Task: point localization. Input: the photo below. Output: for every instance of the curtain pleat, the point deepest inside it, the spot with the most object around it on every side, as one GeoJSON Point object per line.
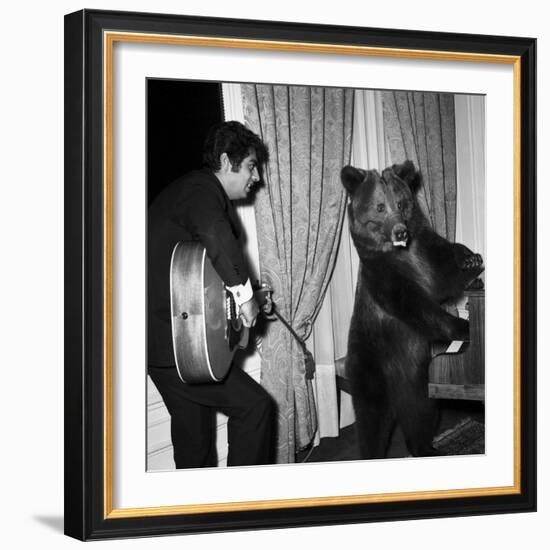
{"type": "Point", "coordinates": [420, 126]}
{"type": "Point", "coordinates": [299, 215]}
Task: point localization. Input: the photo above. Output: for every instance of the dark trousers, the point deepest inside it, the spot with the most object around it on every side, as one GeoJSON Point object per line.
{"type": "Point", "coordinates": [192, 406]}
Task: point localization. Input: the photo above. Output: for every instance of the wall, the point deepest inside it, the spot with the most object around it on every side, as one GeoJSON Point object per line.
{"type": "Point", "coordinates": [31, 113]}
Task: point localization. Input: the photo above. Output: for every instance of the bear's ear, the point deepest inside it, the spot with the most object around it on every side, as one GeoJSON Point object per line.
{"type": "Point", "coordinates": [408, 173]}
{"type": "Point", "coordinates": [351, 177]}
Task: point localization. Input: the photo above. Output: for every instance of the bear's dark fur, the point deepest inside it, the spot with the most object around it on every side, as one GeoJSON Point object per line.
{"type": "Point", "coordinates": [407, 271]}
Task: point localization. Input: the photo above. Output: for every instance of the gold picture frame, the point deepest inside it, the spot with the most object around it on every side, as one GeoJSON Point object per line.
{"type": "Point", "coordinates": [90, 40]}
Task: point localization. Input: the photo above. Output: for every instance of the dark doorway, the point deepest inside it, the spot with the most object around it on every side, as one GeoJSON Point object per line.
{"type": "Point", "coordinates": [179, 115]}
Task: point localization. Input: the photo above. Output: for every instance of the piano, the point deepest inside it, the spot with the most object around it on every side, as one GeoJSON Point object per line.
{"type": "Point", "coordinates": [457, 370]}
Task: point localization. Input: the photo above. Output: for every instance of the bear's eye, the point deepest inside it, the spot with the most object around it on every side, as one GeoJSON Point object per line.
{"type": "Point", "coordinates": [399, 205]}
{"type": "Point", "coordinates": [381, 207]}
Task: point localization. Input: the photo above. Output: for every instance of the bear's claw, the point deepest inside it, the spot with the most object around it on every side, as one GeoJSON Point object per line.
{"type": "Point", "coordinates": [471, 262]}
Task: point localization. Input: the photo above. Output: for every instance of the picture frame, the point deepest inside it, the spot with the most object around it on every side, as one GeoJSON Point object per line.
{"type": "Point", "coordinates": [90, 37]}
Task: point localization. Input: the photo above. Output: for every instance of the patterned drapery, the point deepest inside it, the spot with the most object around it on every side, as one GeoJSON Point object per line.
{"type": "Point", "coordinates": [299, 215]}
{"type": "Point", "coordinates": [420, 126]}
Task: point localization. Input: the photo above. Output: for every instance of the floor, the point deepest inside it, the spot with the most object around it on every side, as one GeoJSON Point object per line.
{"type": "Point", "coordinates": [344, 447]}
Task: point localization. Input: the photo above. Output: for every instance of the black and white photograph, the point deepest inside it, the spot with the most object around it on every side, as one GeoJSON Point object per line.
{"type": "Point", "coordinates": [315, 274]}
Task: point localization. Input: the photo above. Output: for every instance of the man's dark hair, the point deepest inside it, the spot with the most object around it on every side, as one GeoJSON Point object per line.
{"type": "Point", "coordinates": [237, 141]}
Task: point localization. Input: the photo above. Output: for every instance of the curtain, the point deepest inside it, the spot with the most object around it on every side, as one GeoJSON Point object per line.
{"type": "Point", "coordinates": [367, 152]}
{"type": "Point", "coordinates": [420, 126]}
{"type": "Point", "coordinates": [330, 332]}
{"type": "Point", "coordinates": [299, 215]}
{"type": "Point", "coordinates": [470, 171]}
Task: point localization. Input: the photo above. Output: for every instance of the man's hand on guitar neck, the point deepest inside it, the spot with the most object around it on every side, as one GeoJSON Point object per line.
{"type": "Point", "coordinates": [248, 312]}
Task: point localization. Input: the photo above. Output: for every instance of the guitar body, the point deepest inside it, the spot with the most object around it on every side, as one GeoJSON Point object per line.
{"type": "Point", "coordinates": [199, 316]}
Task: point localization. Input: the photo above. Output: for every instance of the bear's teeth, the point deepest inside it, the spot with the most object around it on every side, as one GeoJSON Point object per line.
{"type": "Point", "coordinates": [400, 243]}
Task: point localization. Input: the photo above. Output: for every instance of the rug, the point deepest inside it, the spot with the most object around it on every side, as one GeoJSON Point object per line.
{"type": "Point", "coordinates": [466, 438]}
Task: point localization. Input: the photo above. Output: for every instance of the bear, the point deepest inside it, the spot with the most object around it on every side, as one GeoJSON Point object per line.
{"type": "Point", "coordinates": [407, 271]}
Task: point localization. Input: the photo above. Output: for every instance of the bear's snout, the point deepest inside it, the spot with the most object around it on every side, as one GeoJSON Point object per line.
{"type": "Point", "coordinates": [399, 235]}
{"type": "Point", "coordinates": [395, 230]}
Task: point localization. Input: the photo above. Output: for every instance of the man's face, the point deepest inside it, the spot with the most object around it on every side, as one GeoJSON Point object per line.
{"type": "Point", "coordinates": [240, 183]}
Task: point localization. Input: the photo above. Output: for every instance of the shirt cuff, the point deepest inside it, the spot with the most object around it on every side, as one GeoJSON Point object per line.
{"type": "Point", "coordinates": [241, 293]}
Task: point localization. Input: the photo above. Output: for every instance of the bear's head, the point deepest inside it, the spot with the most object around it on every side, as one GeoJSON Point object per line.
{"type": "Point", "coordinates": [382, 210]}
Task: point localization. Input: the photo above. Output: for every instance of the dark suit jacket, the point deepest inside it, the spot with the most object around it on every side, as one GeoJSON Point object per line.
{"type": "Point", "coordinates": [194, 207]}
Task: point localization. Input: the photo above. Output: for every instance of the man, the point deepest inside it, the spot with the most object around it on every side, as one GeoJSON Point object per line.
{"type": "Point", "coordinates": [198, 206]}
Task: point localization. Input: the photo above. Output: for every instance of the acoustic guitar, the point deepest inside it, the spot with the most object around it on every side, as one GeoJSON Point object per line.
{"type": "Point", "coordinates": [206, 328]}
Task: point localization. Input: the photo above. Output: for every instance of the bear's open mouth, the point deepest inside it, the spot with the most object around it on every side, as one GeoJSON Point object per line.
{"type": "Point", "coordinates": [400, 243]}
